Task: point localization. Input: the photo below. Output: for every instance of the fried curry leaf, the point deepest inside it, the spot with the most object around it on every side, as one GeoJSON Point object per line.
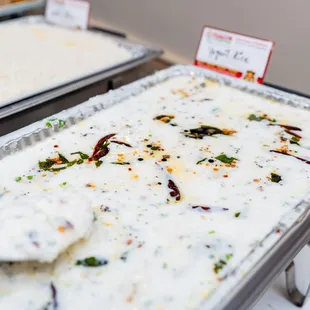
{"type": "Point", "coordinates": [219, 266]}
{"type": "Point", "coordinates": [294, 140]}
{"type": "Point", "coordinates": [92, 262]}
{"type": "Point", "coordinates": [275, 178]}
{"type": "Point", "coordinates": [203, 131]}
{"type": "Point", "coordinates": [225, 159]}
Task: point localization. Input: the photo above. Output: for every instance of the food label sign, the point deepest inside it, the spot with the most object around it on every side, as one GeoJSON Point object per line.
{"type": "Point", "coordinates": [234, 54]}
{"type": "Point", "coordinates": [68, 13]}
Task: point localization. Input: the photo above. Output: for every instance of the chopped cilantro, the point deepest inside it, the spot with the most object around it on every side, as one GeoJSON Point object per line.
{"type": "Point", "coordinates": [294, 140]}
{"type": "Point", "coordinates": [237, 214]}
{"type": "Point", "coordinates": [201, 161]}
{"type": "Point", "coordinates": [29, 177]}
{"type": "Point", "coordinates": [82, 155]}
{"type": "Point", "coordinates": [92, 262]}
{"type": "Point", "coordinates": [18, 179]}
{"type": "Point", "coordinates": [225, 159]}
{"type": "Point", "coordinates": [48, 125]}
{"type": "Point", "coordinates": [275, 178]}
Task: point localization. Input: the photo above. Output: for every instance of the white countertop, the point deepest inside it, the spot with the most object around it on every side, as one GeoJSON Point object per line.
{"type": "Point", "coordinates": [276, 297]}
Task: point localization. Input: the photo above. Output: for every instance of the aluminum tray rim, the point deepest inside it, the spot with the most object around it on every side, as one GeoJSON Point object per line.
{"type": "Point", "coordinates": [296, 233]}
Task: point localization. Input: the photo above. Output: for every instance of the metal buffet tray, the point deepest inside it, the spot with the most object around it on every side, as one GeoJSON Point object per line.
{"type": "Point", "coordinates": [273, 254]}
{"type": "Point", "coordinates": [20, 7]}
{"type": "Point", "coordinates": [140, 54]}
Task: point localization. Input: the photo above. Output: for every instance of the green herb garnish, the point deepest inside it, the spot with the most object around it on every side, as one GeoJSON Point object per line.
{"type": "Point", "coordinates": [63, 184]}
{"type": "Point", "coordinates": [204, 130]}
{"type": "Point", "coordinates": [57, 169]}
{"type": "Point", "coordinates": [275, 178]}
{"type": "Point", "coordinates": [18, 179]}
{"type": "Point", "coordinates": [82, 155]}
{"type": "Point", "coordinates": [237, 214]}
{"type": "Point", "coordinates": [155, 148]}
{"type": "Point", "coordinates": [253, 117]}
{"type": "Point", "coordinates": [71, 163]}
{"type": "Point", "coordinates": [92, 262]}
{"type": "Point", "coordinates": [80, 161]}
{"type": "Point", "coordinates": [61, 123]}
{"type": "Point", "coordinates": [46, 165]}
{"type": "Point", "coordinates": [294, 140]}
{"type": "Point", "coordinates": [211, 232]}
{"type": "Point", "coordinates": [225, 159]}
{"type": "Point", "coordinates": [29, 177]}
{"type": "Point", "coordinates": [228, 256]}
{"type": "Point", "coordinates": [63, 159]}
{"type": "Point", "coordinates": [98, 163]}
{"type": "Point", "coordinates": [201, 161]}
{"type": "Point", "coordinates": [219, 266]}
{"type": "Point", "coordinates": [48, 125]}
{"type": "Point", "coordinates": [120, 163]}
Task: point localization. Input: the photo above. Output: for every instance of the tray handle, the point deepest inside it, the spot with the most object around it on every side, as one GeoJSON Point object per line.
{"type": "Point", "coordinates": [294, 294]}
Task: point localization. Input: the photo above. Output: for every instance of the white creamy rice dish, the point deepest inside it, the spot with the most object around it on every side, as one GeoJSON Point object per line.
{"type": "Point", "coordinates": [38, 57]}
{"type": "Point", "coordinates": [184, 180]}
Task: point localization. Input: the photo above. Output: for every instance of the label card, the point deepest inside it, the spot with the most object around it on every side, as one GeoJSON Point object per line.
{"type": "Point", "coordinates": [234, 54]}
{"type": "Point", "coordinates": [68, 13]}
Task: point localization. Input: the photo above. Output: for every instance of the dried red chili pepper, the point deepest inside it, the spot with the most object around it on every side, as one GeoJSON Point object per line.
{"type": "Point", "coordinates": [100, 144]}
{"type": "Point", "coordinates": [121, 143]}
{"type": "Point", "coordinates": [299, 158]}
{"type": "Point", "coordinates": [100, 154]}
{"type": "Point", "coordinates": [287, 127]}
{"type": "Point", "coordinates": [293, 134]}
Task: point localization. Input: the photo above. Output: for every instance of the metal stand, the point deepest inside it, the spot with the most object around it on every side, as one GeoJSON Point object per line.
{"type": "Point", "coordinates": [295, 296]}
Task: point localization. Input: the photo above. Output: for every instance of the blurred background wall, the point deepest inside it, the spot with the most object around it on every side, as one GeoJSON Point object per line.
{"type": "Point", "coordinates": [176, 25]}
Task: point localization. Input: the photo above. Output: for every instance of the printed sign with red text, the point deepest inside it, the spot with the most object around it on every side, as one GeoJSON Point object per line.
{"type": "Point", "coordinates": [68, 13]}
{"type": "Point", "coordinates": [234, 54]}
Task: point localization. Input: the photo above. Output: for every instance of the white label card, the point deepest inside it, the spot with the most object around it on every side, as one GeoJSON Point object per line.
{"type": "Point", "coordinates": [234, 54]}
{"type": "Point", "coordinates": [68, 13]}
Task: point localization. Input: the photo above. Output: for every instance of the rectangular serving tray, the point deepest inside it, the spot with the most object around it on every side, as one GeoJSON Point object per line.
{"type": "Point", "coordinates": [275, 251]}
{"type": "Point", "coordinates": [140, 54]}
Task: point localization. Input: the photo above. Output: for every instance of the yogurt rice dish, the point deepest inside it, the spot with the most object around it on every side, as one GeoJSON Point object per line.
{"type": "Point", "coordinates": [183, 180]}
{"type": "Point", "coordinates": [36, 57]}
